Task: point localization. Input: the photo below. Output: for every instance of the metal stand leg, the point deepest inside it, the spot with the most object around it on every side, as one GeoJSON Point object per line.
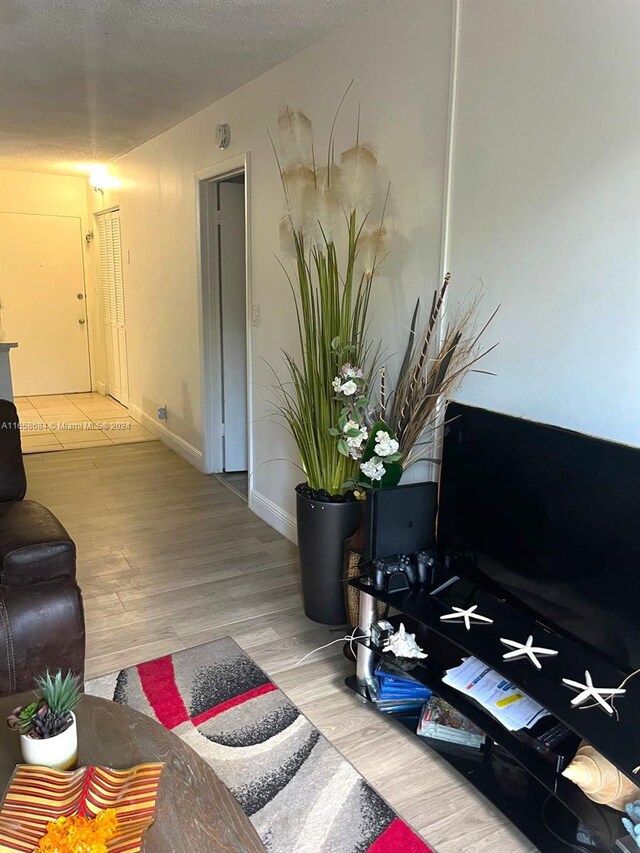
{"type": "Point", "coordinates": [366, 658]}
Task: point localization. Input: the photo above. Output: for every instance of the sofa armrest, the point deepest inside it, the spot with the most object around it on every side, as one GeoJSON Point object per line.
{"type": "Point", "coordinates": [41, 627]}
{"type": "Point", "coordinates": [34, 546]}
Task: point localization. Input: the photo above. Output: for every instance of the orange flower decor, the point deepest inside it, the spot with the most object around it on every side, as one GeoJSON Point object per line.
{"type": "Point", "coordinates": [89, 810]}
{"type": "Point", "coordinates": [78, 834]}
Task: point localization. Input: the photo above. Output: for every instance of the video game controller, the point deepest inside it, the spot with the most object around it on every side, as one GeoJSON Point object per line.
{"type": "Point", "coordinates": [426, 563]}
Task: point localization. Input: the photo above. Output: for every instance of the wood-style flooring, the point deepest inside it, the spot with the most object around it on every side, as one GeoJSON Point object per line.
{"type": "Point", "coordinates": [169, 558]}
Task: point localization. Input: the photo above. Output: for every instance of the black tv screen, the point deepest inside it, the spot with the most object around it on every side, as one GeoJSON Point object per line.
{"type": "Point", "coordinates": [550, 518]}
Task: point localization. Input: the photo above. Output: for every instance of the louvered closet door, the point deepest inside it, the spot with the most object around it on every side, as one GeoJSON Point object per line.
{"type": "Point", "coordinates": [113, 305]}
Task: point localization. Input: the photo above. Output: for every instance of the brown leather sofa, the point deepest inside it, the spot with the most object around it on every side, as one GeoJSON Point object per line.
{"type": "Point", "coordinates": [41, 613]}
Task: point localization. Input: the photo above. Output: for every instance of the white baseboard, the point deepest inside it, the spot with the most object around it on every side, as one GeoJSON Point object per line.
{"type": "Point", "coordinates": [177, 444]}
{"type": "Point", "coordinates": [274, 515]}
{"type": "Point", "coordinates": [101, 388]}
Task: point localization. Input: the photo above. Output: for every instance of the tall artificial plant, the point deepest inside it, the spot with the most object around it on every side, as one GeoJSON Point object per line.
{"type": "Point", "coordinates": [335, 252]}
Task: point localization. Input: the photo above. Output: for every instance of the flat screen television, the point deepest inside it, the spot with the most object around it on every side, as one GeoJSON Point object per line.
{"type": "Point", "coordinates": [550, 519]}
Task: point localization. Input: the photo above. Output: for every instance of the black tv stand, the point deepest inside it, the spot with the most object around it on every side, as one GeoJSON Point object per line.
{"type": "Point", "coordinates": [525, 783]}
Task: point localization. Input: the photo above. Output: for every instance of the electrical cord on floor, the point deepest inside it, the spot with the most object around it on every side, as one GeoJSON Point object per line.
{"type": "Point", "coordinates": [349, 639]}
{"type": "Point", "coordinates": [570, 844]}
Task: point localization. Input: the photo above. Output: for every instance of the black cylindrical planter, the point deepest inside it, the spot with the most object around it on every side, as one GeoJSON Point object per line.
{"type": "Point", "coordinates": [322, 529]}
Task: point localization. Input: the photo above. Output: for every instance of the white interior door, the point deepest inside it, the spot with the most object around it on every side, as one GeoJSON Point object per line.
{"type": "Point", "coordinates": [113, 305]}
{"type": "Point", "coordinates": [43, 298]}
{"type": "Point", "coordinates": [233, 315]}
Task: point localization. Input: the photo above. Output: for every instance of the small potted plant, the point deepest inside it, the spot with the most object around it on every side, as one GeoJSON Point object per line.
{"type": "Point", "coordinates": [47, 726]}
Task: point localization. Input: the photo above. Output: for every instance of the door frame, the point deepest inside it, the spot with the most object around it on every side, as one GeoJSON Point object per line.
{"type": "Point", "coordinates": [209, 318]}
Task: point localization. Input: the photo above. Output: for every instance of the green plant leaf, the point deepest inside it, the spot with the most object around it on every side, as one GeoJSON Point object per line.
{"type": "Point", "coordinates": [343, 447]}
{"type": "Point", "coordinates": [333, 431]}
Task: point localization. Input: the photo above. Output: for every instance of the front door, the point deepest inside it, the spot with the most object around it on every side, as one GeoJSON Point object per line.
{"type": "Point", "coordinates": [43, 303]}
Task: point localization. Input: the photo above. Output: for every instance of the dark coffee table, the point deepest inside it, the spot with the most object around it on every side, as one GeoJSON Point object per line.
{"type": "Point", "coordinates": [195, 811]}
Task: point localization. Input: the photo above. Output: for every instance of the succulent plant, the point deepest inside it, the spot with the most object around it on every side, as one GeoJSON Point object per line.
{"type": "Point", "coordinates": [51, 715]}
{"type": "Point", "coordinates": [21, 718]}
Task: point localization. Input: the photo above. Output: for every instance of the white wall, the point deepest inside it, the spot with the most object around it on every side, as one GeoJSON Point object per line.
{"type": "Point", "coordinates": [545, 206]}
{"type": "Point", "coordinates": [399, 57]}
{"type": "Point", "coordinates": [54, 195]}
{"type": "Point", "coordinates": [544, 209]}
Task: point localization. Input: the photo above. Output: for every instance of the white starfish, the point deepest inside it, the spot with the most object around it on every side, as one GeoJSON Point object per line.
{"type": "Point", "coordinates": [588, 691]}
{"type": "Point", "coordinates": [466, 615]}
{"type": "Point", "coordinates": [527, 649]}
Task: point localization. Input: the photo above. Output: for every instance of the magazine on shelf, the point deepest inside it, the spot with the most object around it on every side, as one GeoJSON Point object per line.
{"type": "Point", "coordinates": [496, 694]}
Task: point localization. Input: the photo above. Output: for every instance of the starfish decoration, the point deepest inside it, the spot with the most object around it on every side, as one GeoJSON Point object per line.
{"type": "Point", "coordinates": [467, 616]}
{"type": "Point", "coordinates": [588, 691]}
{"type": "Point", "coordinates": [521, 650]}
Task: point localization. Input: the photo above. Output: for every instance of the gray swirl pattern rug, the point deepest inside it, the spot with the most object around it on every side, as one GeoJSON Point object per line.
{"type": "Point", "coordinates": [300, 793]}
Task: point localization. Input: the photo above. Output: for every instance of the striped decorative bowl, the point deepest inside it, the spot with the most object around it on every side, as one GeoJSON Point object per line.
{"type": "Point", "coordinates": [37, 795]}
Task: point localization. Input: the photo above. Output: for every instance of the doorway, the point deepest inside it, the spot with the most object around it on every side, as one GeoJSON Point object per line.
{"type": "Point", "coordinates": [223, 243]}
{"type": "Point", "coordinates": [43, 300]}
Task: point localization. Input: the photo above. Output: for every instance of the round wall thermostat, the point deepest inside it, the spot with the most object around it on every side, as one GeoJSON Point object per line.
{"type": "Point", "coordinates": [223, 135]}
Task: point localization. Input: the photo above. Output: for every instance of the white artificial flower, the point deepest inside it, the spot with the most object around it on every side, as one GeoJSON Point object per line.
{"type": "Point", "coordinates": [373, 469]}
{"type": "Point", "coordinates": [337, 382]}
{"type": "Point", "coordinates": [349, 388]}
{"type": "Point", "coordinates": [355, 441]}
{"type": "Point", "coordinates": [385, 445]}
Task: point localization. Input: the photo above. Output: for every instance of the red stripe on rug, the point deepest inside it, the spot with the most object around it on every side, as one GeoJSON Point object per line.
{"type": "Point", "coordinates": [159, 684]}
{"type": "Point", "coordinates": [233, 703]}
{"type": "Point", "coordinates": [399, 838]}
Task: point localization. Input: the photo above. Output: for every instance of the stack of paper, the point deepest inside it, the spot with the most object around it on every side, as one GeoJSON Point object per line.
{"type": "Point", "coordinates": [506, 702]}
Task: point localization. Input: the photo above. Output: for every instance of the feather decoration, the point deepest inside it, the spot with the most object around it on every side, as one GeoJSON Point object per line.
{"type": "Point", "coordinates": [296, 138]}
{"type": "Point", "coordinates": [287, 241]}
{"type": "Point", "coordinates": [328, 198]}
{"type": "Point", "coordinates": [359, 169]}
{"type": "Point", "coordinates": [299, 184]}
{"type": "Point", "coordinates": [371, 249]}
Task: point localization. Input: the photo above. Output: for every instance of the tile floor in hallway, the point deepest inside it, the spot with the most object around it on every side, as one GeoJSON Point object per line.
{"type": "Point", "coordinates": [73, 421]}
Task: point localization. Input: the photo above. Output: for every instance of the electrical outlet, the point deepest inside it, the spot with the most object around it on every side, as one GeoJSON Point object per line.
{"type": "Point", "coordinates": [255, 315]}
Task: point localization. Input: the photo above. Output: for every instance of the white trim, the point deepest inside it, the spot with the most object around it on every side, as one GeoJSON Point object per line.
{"type": "Point", "coordinates": [274, 515]}
{"type": "Point", "coordinates": [177, 444]}
{"type": "Point", "coordinates": [445, 245]}
{"type": "Point", "coordinates": [211, 419]}
{"type": "Point", "coordinates": [101, 388]}
{"type": "Point", "coordinates": [445, 237]}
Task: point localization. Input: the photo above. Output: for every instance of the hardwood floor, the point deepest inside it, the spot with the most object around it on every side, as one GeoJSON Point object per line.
{"type": "Point", "coordinates": [169, 558]}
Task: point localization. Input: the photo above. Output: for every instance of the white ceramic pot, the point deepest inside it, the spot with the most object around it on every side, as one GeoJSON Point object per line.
{"type": "Point", "coordinates": [59, 752]}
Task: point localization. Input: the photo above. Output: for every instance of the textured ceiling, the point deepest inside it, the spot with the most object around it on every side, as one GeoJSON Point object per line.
{"type": "Point", "coordinates": [87, 80]}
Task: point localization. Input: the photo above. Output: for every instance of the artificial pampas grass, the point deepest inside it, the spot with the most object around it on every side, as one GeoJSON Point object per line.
{"type": "Point", "coordinates": [328, 202]}
{"type": "Point", "coordinates": [296, 138]}
{"type": "Point", "coordinates": [287, 240]}
{"type": "Point", "coordinates": [371, 249]}
{"type": "Point", "coordinates": [299, 183]}
{"type": "Point", "coordinates": [359, 168]}
{"type": "Point", "coordinates": [324, 225]}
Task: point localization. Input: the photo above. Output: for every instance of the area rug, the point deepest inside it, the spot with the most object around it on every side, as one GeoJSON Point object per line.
{"type": "Point", "coordinates": [300, 793]}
